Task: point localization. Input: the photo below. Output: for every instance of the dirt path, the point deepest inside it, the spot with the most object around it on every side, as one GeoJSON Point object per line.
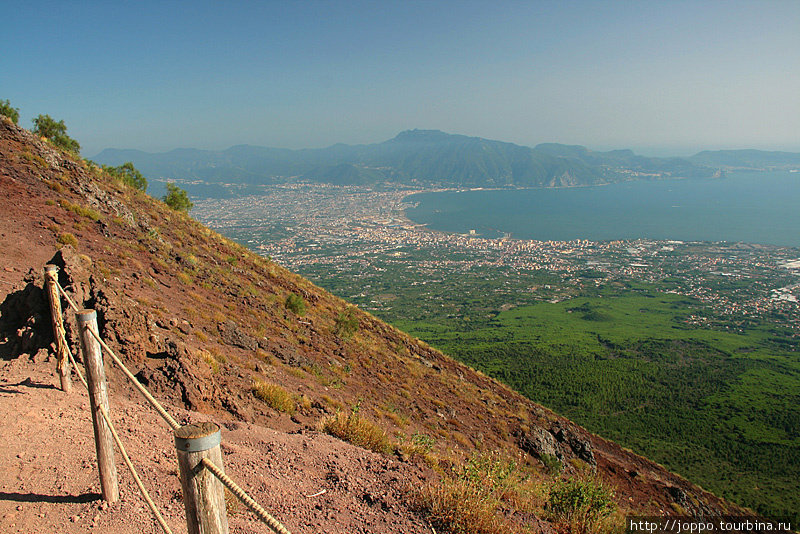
{"type": "Point", "coordinates": [309, 481]}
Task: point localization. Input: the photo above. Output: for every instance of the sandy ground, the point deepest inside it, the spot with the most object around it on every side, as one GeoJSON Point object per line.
{"type": "Point", "coordinates": [309, 481]}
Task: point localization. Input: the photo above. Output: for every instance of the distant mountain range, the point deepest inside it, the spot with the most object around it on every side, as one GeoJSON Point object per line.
{"type": "Point", "coordinates": [431, 157]}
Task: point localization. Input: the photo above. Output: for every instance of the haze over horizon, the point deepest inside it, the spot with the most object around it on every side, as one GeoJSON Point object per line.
{"type": "Point", "coordinates": [660, 78]}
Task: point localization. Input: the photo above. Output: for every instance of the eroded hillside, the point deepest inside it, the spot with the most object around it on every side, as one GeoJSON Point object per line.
{"type": "Point", "coordinates": [201, 319]}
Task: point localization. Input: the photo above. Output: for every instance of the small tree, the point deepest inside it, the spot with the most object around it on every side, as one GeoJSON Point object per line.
{"type": "Point", "coordinates": [176, 198]}
{"type": "Point", "coordinates": [129, 175]}
{"type": "Point", "coordinates": [56, 132]}
{"type": "Point", "coordinates": [346, 323]}
{"type": "Point", "coordinates": [296, 304]}
{"type": "Point", "coordinates": [8, 111]}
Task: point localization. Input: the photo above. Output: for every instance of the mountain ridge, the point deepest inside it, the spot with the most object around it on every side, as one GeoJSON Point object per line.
{"type": "Point", "coordinates": [426, 157]}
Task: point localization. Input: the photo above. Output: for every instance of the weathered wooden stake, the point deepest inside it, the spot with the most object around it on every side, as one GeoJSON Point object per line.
{"type": "Point", "coordinates": [62, 366]}
{"type": "Point", "coordinates": [98, 396]}
{"type": "Point", "coordinates": [203, 493]}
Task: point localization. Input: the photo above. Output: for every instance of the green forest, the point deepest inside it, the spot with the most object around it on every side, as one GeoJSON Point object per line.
{"type": "Point", "coordinates": [722, 409]}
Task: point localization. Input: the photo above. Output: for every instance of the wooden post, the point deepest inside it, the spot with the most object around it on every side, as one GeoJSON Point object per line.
{"type": "Point", "coordinates": [63, 367]}
{"type": "Point", "coordinates": [203, 493]}
{"type": "Point", "coordinates": [98, 396]}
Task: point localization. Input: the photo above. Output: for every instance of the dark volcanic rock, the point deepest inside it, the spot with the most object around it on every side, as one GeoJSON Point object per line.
{"type": "Point", "coordinates": [539, 442]}
{"type": "Point", "coordinates": [581, 445]}
{"type": "Point", "coordinates": [25, 320]}
{"type": "Point", "coordinates": [233, 335]}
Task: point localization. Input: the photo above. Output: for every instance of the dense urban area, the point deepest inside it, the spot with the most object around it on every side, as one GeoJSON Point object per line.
{"type": "Point", "coordinates": [347, 238]}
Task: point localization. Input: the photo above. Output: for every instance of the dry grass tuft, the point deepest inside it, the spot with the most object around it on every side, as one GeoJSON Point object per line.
{"type": "Point", "coordinates": [83, 211]}
{"type": "Point", "coordinates": [275, 396]}
{"type": "Point", "coordinates": [460, 507]}
{"type": "Point", "coordinates": [356, 430]}
{"type": "Point", "coordinates": [68, 239]}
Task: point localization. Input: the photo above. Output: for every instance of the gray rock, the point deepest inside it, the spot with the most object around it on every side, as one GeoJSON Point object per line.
{"type": "Point", "coordinates": [539, 442]}
{"type": "Point", "coordinates": [580, 444]}
{"type": "Point", "coordinates": [233, 335]}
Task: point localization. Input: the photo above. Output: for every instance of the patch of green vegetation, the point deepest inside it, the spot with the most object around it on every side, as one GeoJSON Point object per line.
{"type": "Point", "coordinates": [580, 504]}
{"type": "Point", "coordinates": [296, 304]}
{"type": "Point", "coordinates": [346, 323]}
{"type": "Point", "coordinates": [177, 199]}
{"type": "Point", "coordinates": [721, 408]}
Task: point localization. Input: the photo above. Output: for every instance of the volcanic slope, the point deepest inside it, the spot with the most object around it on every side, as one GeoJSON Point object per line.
{"type": "Point", "coordinates": [201, 320]}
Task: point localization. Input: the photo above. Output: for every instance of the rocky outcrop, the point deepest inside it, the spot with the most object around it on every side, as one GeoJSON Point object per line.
{"type": "Point", "coordinates": [233, 335]}
{"type": "Point", "coordinates": [539, 443]}
{"type": "Point", "coordinates": [25, 320]}
{"type": "Point", "coordinates": [579, 443]}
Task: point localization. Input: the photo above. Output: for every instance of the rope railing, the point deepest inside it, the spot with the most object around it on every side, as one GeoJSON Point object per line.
{"type": "Point", "coordinates": [244, 497]}
{"type": "Point", "coordinates": [153, 402]}
{"type": "Point", "coordinates": [205, 462]}
{"type": "Point", "coordinates": [64, 294]}
{"type": "Point", "coordinates": [135, 475]}
{"type": "Point", "coordinates": [124, 453]}
{"type": "Point", "coordinates": [75, 366]}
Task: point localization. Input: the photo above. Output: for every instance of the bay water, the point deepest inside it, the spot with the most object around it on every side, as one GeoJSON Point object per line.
{"type": "Point", "coordinates": [752, 207]}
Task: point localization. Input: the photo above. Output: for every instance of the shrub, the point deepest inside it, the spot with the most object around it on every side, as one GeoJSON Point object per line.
{"type": "Point", "coordinates": [275, 396]}
{"type": "Point", "coordinates": [471, 497]}
{"type": "Point", "coordinates": [296, 304]}
{"type": "Point", "coordinates": [68, 239]}
{"type": "Point", "coordinates": [346, 324]}
{"type": "Point", "coordinates": [460, 507]}
{"type": "Point", "coordinates": [356, 430]}
{"type": "Point", "coordinates": [56, 132]}
{"type": "Point", "coordinates": [129, 175]}
{"type": "Point", "coordinates": [8, 111]}
{"type": "Point", "coordinates": [551, 464]}
{"type": "Point", "coordinates": [177, 199]}
{"type": "Point", "coordinates": [580, 503]}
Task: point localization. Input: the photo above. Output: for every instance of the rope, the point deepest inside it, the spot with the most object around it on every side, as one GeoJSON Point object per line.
{"type": "Point", "coordinates": [262, 514]}
{"type": "Point", "coordinates": [122, 451]}
{"type": "Point", "coordinates": [160, 409]}
{"type": "Point", "coordinates": [156, 405]}
{"type": "Point", "coordinates": [74, 364]}
{"type": "Point", "coordinates": [69, 300]}
{"type": "Point", "coordinates": [128, 462]}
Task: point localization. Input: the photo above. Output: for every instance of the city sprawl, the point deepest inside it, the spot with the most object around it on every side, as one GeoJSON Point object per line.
{"type": "Point", "coordinates": [354, 241]}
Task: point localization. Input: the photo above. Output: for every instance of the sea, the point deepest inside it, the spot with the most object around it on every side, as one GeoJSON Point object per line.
{"type": "Point", "coordinates": [751, 207]}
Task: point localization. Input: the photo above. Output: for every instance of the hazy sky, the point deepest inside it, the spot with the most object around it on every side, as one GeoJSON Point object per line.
{"type": "Point", "coordinates": [661, 77]}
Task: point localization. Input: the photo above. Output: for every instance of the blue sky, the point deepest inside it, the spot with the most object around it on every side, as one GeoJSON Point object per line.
{"type": "Point", "coordinates": [661, 77]}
